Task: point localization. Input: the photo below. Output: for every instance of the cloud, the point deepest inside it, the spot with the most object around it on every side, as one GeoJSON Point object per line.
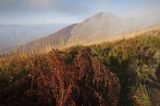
{"type": "Point", "coordinates": [42, 3]}
{"type": "Point", "coordinates": [37, 9]}
{"type": "Point", "coordinates": [22, 7]}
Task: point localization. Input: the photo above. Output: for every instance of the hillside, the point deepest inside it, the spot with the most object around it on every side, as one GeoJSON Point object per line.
{"type": "Point", "coordinates": [101, 26]}
{"type": "Point", "coordinates": [57, 40]}
{"type": "Point", "coordinates": [106, 25]}
{"type": "Point", "coordinates": [120, 73]}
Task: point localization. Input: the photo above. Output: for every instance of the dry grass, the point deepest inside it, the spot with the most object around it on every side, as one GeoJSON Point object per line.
{"type": "Point", "coordinates": [106, 74]}
{"type": "Point", "coordinates": [141, 96]}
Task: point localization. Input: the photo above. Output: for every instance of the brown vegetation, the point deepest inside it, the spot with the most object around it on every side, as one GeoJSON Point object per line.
{"type": "Point", "coordinates": [85, 75]}
{"type": "Point", "coordinates": [84, 83]}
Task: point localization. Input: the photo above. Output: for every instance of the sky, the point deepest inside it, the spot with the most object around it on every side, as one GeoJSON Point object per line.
{"type": "Point", "coordinates": [28, 12]}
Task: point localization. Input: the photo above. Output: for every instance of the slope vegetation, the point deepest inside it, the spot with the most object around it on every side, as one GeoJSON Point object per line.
{"type": "Point", "coordinates": [121, 73]}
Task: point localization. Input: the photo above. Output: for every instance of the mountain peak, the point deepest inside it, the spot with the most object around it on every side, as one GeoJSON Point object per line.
{"type": "Point", "coordinates": [103, 14]}
{"type": "Point", "coordinates": [100, 17]}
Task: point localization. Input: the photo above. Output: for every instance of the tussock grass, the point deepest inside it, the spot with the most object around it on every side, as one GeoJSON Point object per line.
{"type": "Point", "coordinates": [141, 96]}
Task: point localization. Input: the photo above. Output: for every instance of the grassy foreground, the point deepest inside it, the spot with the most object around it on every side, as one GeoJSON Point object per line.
{"type": "Point", "coordinates": [124, 73]}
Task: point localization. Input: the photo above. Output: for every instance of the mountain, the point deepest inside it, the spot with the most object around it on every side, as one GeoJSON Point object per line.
{"type": "Point", "coordinates": [97, 26]}
{"type": "Point", "coordinates": [100, 26]}
{"type": "Point", "coordinates": [106, 25]}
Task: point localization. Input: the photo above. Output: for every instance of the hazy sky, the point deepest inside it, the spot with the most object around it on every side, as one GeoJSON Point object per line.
{"type": "Point", "coordinates": [69, 11]}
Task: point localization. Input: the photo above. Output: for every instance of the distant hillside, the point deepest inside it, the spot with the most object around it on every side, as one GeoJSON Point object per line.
{"type": "Point", "coordinates": [56, 40]}
{"type": "Point", "coordinates": [106, 25]}
{"type": "Point", "coordinates": [101, 26]}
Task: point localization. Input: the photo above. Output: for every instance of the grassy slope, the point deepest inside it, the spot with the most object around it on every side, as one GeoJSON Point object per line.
{"type": "Point", "coordinates": [136, 62]}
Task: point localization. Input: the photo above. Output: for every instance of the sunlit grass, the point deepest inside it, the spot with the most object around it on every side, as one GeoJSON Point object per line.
{"type": "Point", "coordinates": [134, 60]}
